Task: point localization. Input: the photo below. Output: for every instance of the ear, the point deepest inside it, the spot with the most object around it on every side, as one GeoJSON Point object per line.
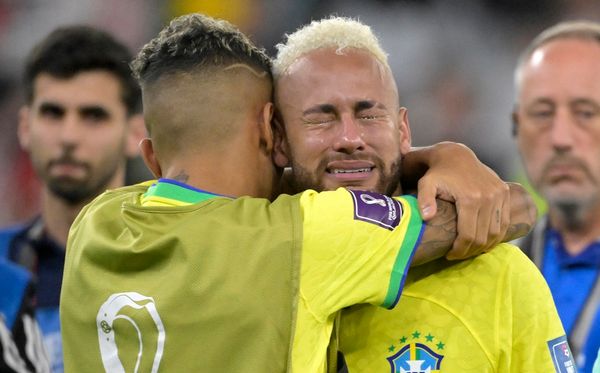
{"type": "Point", "coordinates": [264, 124]}
{"type": "Point", "coordinates": [515, 122]}
{"type": "Point", "coordinates": [281, 148]}
{"type": "Point", "coordinates": [23, 130]}
{"type": "Point", "coordinates": [149, 157]}
{"type": "Point", "coordinates": [136, 132]}
{"type": "Point", "coordinates": [404, 131]}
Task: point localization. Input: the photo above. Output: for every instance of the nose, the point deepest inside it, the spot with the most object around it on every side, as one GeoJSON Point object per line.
{"type": "Point", "coordinates": [349, 137]}
{"type": "Point", "coordinates": [562, 132]}
{"type": "Point", "coordinates": [70, 129]}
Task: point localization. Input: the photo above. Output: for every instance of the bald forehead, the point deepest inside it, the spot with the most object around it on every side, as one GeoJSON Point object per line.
{"type": "Point", "coordinates": [571, 56]}
{"type": "Point", "coordinates": [555, 50]}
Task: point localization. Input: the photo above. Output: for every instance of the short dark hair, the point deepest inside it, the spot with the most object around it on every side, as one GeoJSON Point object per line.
{"type": "Point", "coordinates": [195, 41]}
{"type": "Point", "coordinates": [70, 50]}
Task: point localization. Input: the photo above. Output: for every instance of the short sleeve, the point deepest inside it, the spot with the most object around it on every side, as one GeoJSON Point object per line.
{"type": "Point", "coordinates": [357, 247]}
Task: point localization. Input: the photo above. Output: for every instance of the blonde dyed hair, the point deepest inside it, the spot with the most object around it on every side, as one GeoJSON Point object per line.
{"type": "Point", "coordinates": [335, 32]}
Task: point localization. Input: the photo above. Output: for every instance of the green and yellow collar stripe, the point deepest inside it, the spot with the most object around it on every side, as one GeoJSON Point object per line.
{"type": "Point", "coordinates": [168, 192]}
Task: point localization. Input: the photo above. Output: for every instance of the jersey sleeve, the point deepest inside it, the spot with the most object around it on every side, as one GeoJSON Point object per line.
{"type": "Point", "coordinates": [357, 247]}
{"type": "Point", "coordinates": [538, 340]}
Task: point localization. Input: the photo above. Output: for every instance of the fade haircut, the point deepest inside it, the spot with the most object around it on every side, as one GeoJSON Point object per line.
{"type": "Point", "coordinates": [334, 32]}
{"type": "Point", "coordinates": [195, 41]}
{"type": "Point", "coordinates": [68, 51]}
{"type": "Point", "coordinates": [583, 30]}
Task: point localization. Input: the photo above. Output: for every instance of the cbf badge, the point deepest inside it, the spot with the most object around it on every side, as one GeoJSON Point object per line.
{"type": "Point", "coordinates": [376, 208]}
{"type": "Point", "coordinates": [417, 356]}
{"type": "Point", "coordinates": [561, 355]}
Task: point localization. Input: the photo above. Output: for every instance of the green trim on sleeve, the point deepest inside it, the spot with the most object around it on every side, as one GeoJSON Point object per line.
{"type": "Point", "coordinates": [411, 240]}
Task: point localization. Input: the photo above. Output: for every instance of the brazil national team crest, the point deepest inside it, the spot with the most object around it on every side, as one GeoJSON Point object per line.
{"type": "Point", "coordinates": [417, 353]}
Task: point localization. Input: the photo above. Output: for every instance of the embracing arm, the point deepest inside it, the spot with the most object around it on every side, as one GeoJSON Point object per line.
{"type": "Point", "coordinates": [440, 232]}
{"type": "Point", "coordinates": [451, 172]}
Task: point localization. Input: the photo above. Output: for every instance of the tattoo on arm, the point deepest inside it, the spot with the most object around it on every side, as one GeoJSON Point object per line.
{"type": "Point", "coordinates": [181, 176]}
{"type": "Point", "coordinates": [523, 213]}
{"type": "Point", "coordinates": [439, 235]}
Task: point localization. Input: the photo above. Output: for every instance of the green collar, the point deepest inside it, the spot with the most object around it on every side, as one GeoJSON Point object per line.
{"type": "Point", "coordinates": [178, 191]}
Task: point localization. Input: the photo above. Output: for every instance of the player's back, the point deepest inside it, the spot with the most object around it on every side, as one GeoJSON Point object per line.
{"type": "Point", "coordinates": [163, 285]}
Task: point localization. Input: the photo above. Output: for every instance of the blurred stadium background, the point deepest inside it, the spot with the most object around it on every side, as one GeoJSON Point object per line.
{"type": "Point", "coordinates": [453, 61]}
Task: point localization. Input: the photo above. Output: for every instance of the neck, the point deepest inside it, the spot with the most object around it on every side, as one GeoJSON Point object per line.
{"type": "Point", "coordinates": [576, 237]}
{"type": "Point", "coordinates": [238, 173]}
{"type": "Point", "coordinates": [58, 215]}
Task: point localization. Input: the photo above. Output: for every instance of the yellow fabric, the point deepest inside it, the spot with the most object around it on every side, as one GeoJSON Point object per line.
{"type": "Point", "coordinates": [340, 269]}
{"type": "Point", "coordinates": [493, 313]}
{"type": "Point", "coordinates": [136, 237]}
{"type": "Point", "coordinates": [206, 287]}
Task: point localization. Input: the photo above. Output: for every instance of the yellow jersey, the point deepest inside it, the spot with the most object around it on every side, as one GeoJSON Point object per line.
{"type": "Point", "coordinates": [492, 313]}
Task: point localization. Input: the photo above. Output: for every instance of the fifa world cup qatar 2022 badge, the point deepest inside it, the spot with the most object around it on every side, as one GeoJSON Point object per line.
{"type": "Point", "coordinates": [416, 353]}
{"type": "Point", "coordinates": [561, 355]}
{"type": "Point", "coordinates": [377, 209]}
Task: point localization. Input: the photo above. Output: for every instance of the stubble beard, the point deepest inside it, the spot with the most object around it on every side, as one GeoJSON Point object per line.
{"type": "Point", "coordinates": [388, 182]}
{"type": "Point", "coordinates": [78, 191]}
{"type": "Point", "coordinates": [75, 192]}
{"type": "Point", "coordinates": [572, 211]}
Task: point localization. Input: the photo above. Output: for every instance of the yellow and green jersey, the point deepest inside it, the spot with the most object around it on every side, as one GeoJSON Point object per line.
{"type": "Point", "coordinates": [492, 313]}
{"type": "Point", "coordinates": [165, 277]}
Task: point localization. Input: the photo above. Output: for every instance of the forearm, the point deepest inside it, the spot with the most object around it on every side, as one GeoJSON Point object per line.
{"type": "Point", "coordinates": [523, 212]}
{"type": "Point", "coordinates": [440, 232]}
{"type": "Point", "coordinates": [438, 236]}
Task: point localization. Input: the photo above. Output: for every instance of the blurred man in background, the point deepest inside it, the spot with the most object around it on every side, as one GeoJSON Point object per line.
{"type": "Point", "coordinates": [344, 127]}
{"type": "Point", "coordinates": [557, 129]}
{"type": "Point", "coordinates": [80, 122]}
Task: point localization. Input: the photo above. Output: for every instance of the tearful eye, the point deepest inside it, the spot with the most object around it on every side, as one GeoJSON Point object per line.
{"type": "Point", "coordinates": [319, 119]}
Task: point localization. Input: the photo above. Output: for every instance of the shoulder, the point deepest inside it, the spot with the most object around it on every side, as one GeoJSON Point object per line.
{"type": "Point", "coordinates": [504, 270]}
{"type": "Point", "coordinates": [516, 264]}
{"type": "Point", "coordinates": [115, 198]}
{"type": "Point", "coordinates": [11, 271]}
{"type": "Point", "coordinates": [15, 280]}
{"type": "Point", "coordinates": [121, 193]}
